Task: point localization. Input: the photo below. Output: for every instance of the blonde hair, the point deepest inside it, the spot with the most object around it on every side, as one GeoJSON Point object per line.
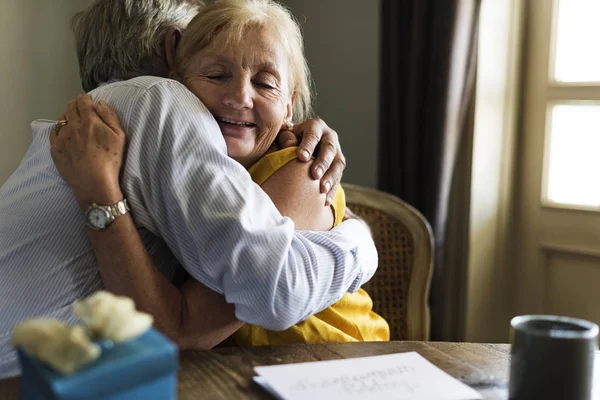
{"type": "Point", "coordinates": [234, 18]}
{"type": "Point", "coordinates": [122, 39]}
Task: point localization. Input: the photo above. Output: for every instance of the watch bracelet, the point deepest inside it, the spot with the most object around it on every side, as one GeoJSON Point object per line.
{"type": "Point", "coordinates": [119, 208]}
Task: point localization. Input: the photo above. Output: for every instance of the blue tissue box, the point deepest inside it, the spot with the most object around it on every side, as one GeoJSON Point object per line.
{"type": "Point", "coordinates": [141, 368]}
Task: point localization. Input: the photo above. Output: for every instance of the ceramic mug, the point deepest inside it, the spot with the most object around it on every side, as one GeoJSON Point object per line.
{"type": "Point", "coordinates": [552, 358]}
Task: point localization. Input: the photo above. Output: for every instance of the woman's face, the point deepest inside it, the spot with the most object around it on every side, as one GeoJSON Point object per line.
{"type": "Point", "coordinates": [246, 87]}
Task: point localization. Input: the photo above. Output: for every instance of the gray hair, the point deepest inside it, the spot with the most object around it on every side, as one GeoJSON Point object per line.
{"type": "Point", "coordinates": [122, 39]}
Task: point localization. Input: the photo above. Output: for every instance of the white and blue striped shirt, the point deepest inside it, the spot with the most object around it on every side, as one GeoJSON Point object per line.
{"type": "Point", "coordinates": [190, 202]}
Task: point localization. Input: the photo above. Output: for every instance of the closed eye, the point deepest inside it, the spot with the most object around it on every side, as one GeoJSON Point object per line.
{"type": "Point", "coordinates": [264, 85]}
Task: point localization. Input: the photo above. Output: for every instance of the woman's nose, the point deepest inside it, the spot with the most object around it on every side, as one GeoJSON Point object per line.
{"type": "Point", "coordinates": [239, 94]}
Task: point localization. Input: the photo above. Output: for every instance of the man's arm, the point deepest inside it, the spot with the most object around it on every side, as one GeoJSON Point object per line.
{"type": "Point", "coordinates": [124, 263]}
{"type": "Point", "coordinates": [220, 225]}
{"type": "Point", "coordinates": [127, 269]}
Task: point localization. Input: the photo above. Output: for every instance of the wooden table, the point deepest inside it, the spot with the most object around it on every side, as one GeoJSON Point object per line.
{"type": "Point", "coordinates": [227, 373]}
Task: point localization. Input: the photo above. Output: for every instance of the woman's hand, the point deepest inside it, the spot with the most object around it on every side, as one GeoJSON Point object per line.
{"type": "Point", "coordinates": [88, 151]}
{"type": "Point", "coordinates": [330, 163]}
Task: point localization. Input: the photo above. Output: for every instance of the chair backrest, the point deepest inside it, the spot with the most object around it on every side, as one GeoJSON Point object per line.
{"type": "Point", "coordinates": [400, 287]}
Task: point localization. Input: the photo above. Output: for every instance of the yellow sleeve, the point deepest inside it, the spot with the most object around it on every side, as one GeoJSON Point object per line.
{"type": "Point", "coordinates": [275, 159]}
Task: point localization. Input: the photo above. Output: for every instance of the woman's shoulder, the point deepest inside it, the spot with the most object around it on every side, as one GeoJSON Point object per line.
{"type": "Point", "coordinates": [275, 159]}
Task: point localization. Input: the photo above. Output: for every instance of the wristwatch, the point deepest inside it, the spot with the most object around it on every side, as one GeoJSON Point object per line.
{"type": "Point", "coordinates": [100, 217]}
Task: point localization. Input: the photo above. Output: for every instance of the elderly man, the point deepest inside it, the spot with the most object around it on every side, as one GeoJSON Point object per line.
{"type": "Point", "coordinates": [273, 276]}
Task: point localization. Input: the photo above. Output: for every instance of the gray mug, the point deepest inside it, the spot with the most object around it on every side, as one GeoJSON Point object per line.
{"type": "Point", "coordinates": [552, 358]}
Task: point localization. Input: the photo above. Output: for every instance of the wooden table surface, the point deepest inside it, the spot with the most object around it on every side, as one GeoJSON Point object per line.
{"type": "Point", "coordinates": [227, 373]}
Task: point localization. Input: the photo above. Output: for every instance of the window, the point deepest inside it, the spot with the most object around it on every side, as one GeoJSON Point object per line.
{"type": "Point", "coordinates": [572, 154]}
{"type": "Point", "coordinates": [577, 30]}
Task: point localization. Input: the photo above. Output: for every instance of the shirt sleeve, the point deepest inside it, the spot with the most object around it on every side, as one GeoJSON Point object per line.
{"type": "Point", "coordinates": [222, 227]}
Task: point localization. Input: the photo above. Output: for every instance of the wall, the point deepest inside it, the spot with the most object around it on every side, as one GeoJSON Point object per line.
{"type": "Point", "coordinates": [342, 47]}
{"type": "Point", "coordinates": [38, 73]}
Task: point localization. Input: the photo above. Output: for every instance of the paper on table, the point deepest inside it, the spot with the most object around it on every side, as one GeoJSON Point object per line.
{"type": "Point", "coordinates": [393, 376]}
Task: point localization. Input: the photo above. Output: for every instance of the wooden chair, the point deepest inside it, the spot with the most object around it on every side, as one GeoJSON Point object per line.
{"type": "Point", "coordinates": [404, 241]}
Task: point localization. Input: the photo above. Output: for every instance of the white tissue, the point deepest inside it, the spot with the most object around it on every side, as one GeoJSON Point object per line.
{"type": "Point", "coordinates": [65, 348]}
{"type": "Point", "coordinates": [112, 317]}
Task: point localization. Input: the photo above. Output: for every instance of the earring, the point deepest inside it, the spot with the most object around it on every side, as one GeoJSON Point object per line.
{"type": "Point", "coordinates": [287, 126]}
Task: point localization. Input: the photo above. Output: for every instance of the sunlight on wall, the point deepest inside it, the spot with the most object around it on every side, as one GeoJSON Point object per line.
{"type": "Point", "coordinates": [342, 46]}
{"type": "Point", "coordinates": [38, 73]}
{"type": "Point", "coordinates": [488, 301]}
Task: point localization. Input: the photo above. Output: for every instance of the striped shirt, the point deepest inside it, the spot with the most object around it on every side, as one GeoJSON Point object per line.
{"type": "Point", "coordinates": [190, 202]}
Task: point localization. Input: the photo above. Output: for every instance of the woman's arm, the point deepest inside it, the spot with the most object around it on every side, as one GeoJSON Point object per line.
{"type": "Point", "coordinates": [193, 316]}
{"type": "Point", "coordinates": [298, 196]}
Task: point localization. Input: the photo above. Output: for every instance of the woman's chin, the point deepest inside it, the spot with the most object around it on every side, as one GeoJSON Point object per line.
{"type": "Point", "coordinates": [237, 150]}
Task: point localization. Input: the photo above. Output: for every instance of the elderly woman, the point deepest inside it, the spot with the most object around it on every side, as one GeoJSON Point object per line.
{"type": "Point", "coordinates": [244, 60]}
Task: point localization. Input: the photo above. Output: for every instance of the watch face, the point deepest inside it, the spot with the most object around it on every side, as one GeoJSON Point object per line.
{"type": "Point", "coordinates": [98, 218]}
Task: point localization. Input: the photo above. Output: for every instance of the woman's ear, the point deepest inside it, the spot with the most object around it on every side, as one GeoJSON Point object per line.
{"type": "Point", "coordinates": [290, 108]}
{"type": "Point", "coordinates": [172, 38]}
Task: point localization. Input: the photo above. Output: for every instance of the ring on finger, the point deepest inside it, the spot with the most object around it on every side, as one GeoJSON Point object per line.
{"type": "Point", "coordinates": [58, 125]}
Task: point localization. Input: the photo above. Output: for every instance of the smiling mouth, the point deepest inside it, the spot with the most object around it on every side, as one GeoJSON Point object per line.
{"type": "Point", "coordinates": [228, 121]}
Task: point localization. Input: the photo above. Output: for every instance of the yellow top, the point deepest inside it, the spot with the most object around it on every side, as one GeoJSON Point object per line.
{"type": "Point", "coordinates": [351, 319]}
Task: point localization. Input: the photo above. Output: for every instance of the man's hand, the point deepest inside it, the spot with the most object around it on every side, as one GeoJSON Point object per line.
{"type": "Point", "coordinates": [88, 151]}
{"type": "Point", "coordinates": [330, 163]}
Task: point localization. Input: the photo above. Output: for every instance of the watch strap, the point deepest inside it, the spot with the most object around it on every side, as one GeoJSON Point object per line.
{"type": "Point", "coordinates": [118, 209]}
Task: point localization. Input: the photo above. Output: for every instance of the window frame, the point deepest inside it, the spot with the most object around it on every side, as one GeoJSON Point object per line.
{"type": "Point", "coordinates": [561, 93]}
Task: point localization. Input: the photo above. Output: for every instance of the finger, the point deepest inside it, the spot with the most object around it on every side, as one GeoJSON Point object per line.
{"type": "Point", "coordinates": [55, 145]}
{"type": "Point", "coordinates": [331, 194]}
{"type": "Point", "coordinates": [85, 106]}
{"type": "Point", "coordinates": [71, 113]}
{"type": "Point", "coordinates": [333, 176]}
{"type": "Point", "coordinates": [286, 139]}
{"type": "Point", "coordinates": [311, 135]}
{"type": "Point", "coordinates": [109, 117]}
{"type": "Point", "coordinates": [63, 116]}
{"type": "Point", "coordinates": [325, 156]}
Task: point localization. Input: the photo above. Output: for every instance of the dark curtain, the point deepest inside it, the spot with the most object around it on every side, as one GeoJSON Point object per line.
{"type": "Point", "coordinates": [428, 59]}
